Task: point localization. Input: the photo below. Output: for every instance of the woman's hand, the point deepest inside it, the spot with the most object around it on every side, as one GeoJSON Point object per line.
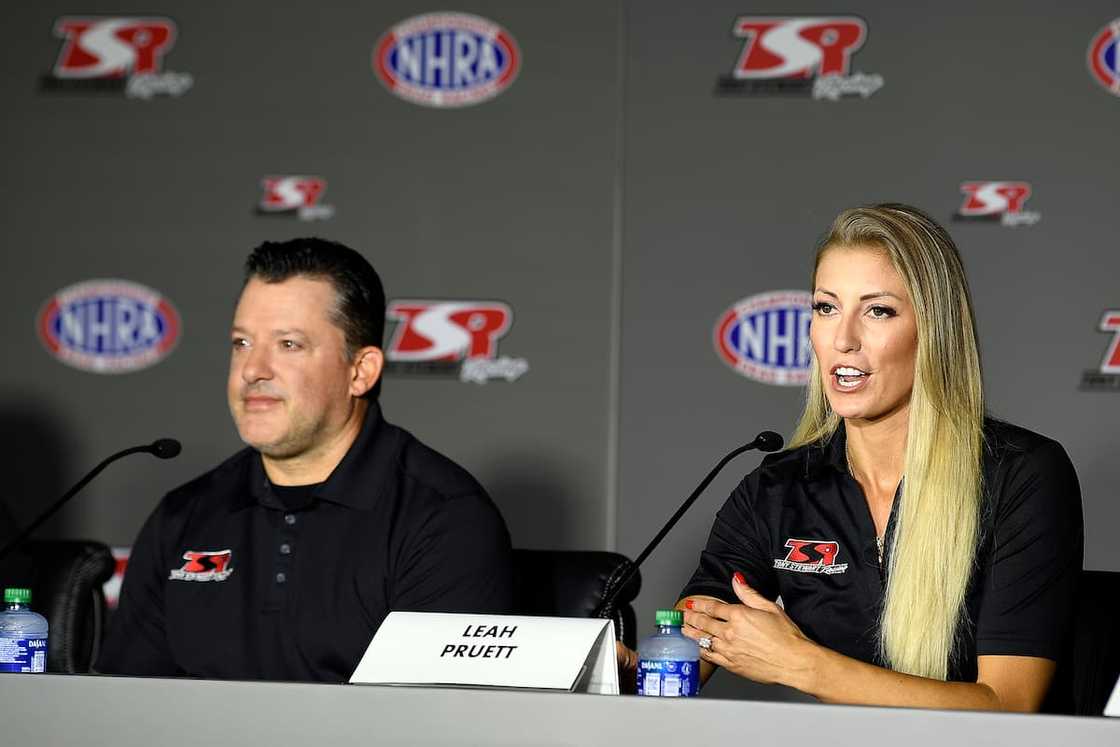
{"type": "Point", "coordinates": [756, 639]}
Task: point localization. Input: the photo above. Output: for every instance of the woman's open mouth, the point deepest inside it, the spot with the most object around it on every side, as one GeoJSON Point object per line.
{"type": "Point", "coordinates": [848, 378]}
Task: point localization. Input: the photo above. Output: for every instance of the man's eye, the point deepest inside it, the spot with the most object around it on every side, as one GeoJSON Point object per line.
{"type": "Point", "coordinates": [823, 307]}
{"type": "Point", "coordinates": [239, 343]}
{"type": "Point", "coordinates": [289, 344]}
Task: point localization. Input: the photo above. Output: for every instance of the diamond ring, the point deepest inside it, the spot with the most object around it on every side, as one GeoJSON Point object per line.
{"type": "Point", "coordinates": [705, 643]}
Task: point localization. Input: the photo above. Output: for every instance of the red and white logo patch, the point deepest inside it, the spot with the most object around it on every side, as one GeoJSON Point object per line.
{"type": "Point", "coordinates": [811, 556]}
{"type": "Point", "coordinates": [298, 195]}
{"type": "Point", "coordinates": [110, 52]}
{"type": "Point", "coordinates": [454, 336]}
{"type": "Point", "coordinates": [1107, 376]}
{"type": "Point", "coordinates": [794, 55]}
{"type": "Point", "coordinates": [204, 565]}
{"type": "Point", "coordinates": [997, 201]}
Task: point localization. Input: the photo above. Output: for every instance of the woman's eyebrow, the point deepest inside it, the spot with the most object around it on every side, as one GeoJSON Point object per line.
{"type": "Point", "coordinates": [864, 297]}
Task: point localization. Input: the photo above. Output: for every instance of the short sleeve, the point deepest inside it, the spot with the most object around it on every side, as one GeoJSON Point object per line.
{"type": "Point", "coordinates": [734, 544]}
{"type": "Point", "coordinates": [458, 560]}
{"type": "Point", "coordinates": [136, 642]}
{"type": "Point", "coordinates": [1028, 589]}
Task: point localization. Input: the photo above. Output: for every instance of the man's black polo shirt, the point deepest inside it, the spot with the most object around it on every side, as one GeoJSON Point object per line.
{"type": "Point", "coordinates": [226, 582]}
{"type": "Point", "coordinates": [799, 527]}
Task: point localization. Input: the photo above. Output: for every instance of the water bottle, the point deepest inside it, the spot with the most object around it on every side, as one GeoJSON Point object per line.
{"type": "Point", "coordinates": [23, 634]}
{"type": "Point", "coordinates": [668, 663]}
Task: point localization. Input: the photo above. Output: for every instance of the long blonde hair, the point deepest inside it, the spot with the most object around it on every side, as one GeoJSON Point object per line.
{"type": "Point", "coordinates": [938, 516]}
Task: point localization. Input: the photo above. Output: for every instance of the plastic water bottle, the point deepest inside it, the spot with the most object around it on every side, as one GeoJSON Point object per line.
{"type": "Point", "coordinates": [23, 634]}
{"type": "Point", "coordinates": [668, 663]}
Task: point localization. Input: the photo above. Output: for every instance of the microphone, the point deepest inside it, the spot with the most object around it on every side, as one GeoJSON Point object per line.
{"type": "Point", "coordinates": [164, 448]}
{"type": "Point", "coordinates": [766, 441]}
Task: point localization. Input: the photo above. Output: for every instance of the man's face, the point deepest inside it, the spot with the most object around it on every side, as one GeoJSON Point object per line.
{"type": "Point", "coordinates": [289, 377]}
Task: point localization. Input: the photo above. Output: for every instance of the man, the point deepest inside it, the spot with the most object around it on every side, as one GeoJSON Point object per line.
{"type": "Point", "coordinates": [282, 562]}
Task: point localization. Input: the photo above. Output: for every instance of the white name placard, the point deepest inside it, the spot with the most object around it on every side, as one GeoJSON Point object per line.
{"type": "Point", "coordinates": [1112, 708]}
{"type": "Point", "coordinates": [539, 653]}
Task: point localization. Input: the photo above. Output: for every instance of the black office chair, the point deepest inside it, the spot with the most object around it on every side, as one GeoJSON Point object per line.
{"type": "Point", "coordinates": [1096, 652]}
{"type": "Point", "coordinates": [572, 584]}
{"type": "Point", "coordinates": [66, 588]}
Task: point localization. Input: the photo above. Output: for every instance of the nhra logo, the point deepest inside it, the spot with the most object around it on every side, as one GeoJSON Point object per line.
{"type": "Point", "coordinates": [446, 60]}
{"type": "Point", "coordinates": [294, 195]}
{"type": "Point", "coordinates": [799, 55]}
{"type": "Point", "coordinates": [811, 556]}
{"type": "Point", "coordinates": [113, 54]}
{"type": "Point", "coordinates": [1104, 57]}
{"type": "Point", "coordinates": [108, 326]}
{"type": "Point", "coordinates": [1107, 377]}
{"type": "Point", "coordinates": [766, 337]}
{"type": "Point", "coordinates": [997, 201]}
{"type": "Point", "coordinates": [203, 565]}
{"type": "Point", "coordinates": [452, 337]}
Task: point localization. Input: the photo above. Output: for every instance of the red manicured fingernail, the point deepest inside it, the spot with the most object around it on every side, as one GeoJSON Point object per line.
{"type": "Point", "coordinates": [739, 579]}
{"type": "Point", "coordinates": [688, 603]}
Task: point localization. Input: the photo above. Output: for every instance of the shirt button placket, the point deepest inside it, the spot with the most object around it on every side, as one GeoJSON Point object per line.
{"type": "Point", "coordinates": [282, 573]}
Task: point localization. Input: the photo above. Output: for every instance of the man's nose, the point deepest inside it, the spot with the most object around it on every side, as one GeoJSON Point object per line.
{"type": "Point", "coordinates": [256, 365]}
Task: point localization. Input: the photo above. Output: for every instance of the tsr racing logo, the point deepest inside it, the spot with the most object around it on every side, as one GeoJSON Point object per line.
{"type": "Point", "coordinates": [203, 565]}
{"type": "Point", "coordinates": [811, 556]}
{"type": "Point", "coordinates": [452, 338]}
{"type": "Point", "coordinates": [294, 195]}
{"type": "Point", "coordinates": [1106, 378]}
{"type": "Point", "coordinates": [1000, 202]}
{"type": "Point", "coordinates": [113, 54]}
{"type": "Point", "coordinates": [800, 56]}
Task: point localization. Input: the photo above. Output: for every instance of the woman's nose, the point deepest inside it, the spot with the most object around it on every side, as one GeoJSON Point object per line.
{"type": "Point", "coordinates": [847, 335]}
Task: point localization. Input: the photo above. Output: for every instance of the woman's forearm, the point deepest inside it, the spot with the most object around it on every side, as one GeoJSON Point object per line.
{"type": "Point", "coordinates": [835, 678]}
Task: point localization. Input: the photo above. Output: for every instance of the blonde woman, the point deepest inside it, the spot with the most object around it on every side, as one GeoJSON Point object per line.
{"type": "Point", "coordinates": [924, 555]}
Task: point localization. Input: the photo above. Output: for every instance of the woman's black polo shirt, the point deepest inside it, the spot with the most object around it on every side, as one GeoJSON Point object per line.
{"type": "Point", "coordinates": [225, 581]}
{"type": "Point", "coordinates": [799, 527]}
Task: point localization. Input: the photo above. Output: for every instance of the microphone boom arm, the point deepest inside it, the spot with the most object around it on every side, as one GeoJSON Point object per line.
{"type": "Point", "coordinates": [68, 495]}
{"type": "Point", "coordinates": [763, 440]}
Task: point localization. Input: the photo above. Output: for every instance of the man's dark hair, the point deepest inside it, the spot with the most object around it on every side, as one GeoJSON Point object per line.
{"type": "Point", "coordinates": [360, 308]}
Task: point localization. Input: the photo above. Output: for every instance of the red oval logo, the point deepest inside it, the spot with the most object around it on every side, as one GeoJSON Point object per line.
{"type": "Point", "coordinates": [108, 326]}
{"type": "Point", "coordinates": [766, 337]}
{"type": "Point", "coordinates": [446, 60]}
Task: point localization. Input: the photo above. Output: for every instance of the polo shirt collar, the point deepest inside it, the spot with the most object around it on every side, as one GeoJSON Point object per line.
{"type": "Point", "coordinates": [827, 454]}
{"type": "Point", "coordinates": [357, 482]}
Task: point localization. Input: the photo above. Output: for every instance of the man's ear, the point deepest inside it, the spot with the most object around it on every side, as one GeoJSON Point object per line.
{"type": "Point", "coordinates": [366, 370]}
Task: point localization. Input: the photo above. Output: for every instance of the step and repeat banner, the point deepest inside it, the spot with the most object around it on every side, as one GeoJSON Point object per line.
{"type": "Point", "coordinates": [469, 153]}
{"type": "Point", "coordinates": [595, 224]}
{"type": "Point", "coordinates": [748, 127]}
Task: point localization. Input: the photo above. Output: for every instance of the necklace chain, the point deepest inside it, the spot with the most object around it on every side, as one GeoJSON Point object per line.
{"type": "Point", "coordinates": [852, 472]}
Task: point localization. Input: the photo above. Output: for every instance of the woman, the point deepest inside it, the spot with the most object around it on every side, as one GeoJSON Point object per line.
{"type": "Point", "coordinates": [924, 555]}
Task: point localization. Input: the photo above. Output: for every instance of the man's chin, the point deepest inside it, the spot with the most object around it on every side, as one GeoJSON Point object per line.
{"type": "Point", "coordinates": [271, 445]}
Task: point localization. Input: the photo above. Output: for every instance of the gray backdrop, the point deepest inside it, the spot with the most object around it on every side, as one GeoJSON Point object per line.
{"type": "Point", "coordinates": [611, 196]}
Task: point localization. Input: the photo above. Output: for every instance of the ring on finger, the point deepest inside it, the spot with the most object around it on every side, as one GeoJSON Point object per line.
{"type": "Point", "coordinates": [705, 643]}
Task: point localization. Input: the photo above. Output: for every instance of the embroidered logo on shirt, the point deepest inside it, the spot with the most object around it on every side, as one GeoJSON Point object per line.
{"type": "Point", "coordinates": [811, 556]}
{"type": "Point", "coordinates": [204, 565]}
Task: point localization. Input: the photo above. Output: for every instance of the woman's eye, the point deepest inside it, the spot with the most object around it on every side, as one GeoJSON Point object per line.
{"type": "Point", "coordinates": [881, 312]}
{"type": "Point", "coordinates": [823, 307]}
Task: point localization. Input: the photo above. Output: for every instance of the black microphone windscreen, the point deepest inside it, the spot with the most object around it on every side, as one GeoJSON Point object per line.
{"type": "Point", "coordinates": [769, 441]}
{"type": "Point", "coordinates": [166, 448]}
